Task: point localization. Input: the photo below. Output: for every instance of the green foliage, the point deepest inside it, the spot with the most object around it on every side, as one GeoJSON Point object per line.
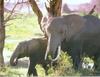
{"type": "Point", "coordinates": [88, 60]}
{"type": "Point", "coordinates": [86, 72]}
{"type": "Point", "coordinates": [12, 72]}
{"type": "Point", "coordinates": [40, 70]}
{"type": "Point", "coordinates": [10, 46]}
{"type": "Point", "coordinates": [63, 67]}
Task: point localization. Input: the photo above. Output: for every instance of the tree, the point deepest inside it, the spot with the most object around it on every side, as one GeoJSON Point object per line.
{"type": "Point", "coordinates": [2, 32]}
{"type": "Point", "coordinates": [54, 9]}
{"type": "Point", "coordinates": [37, 11]}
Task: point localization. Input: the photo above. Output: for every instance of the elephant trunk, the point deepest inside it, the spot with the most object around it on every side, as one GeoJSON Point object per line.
{"type": "Point", "coordinates": [57, 56]}
{"type": "Point", "coordinates": [53, 47]}
{"type": "Point", "coordinates": [59, 51]}
{"type": "Point", "coordinates": [14, 59]}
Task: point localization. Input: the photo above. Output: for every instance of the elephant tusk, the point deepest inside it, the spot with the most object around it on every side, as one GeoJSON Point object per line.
{"type": "Point", "coordinates": [46, 55]}
{"type": "Point", "coordinates": [59, 52]}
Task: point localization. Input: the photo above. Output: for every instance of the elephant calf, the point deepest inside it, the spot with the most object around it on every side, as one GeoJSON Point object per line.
{"type": "Point", "coordinates": [35, 50]}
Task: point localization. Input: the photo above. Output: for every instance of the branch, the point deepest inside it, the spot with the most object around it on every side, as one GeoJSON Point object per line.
{"type": "Point", "coordinates": [54, 8]}
{"type": "Point", "coordinates": [58, 6]}
{"type": "Point", "coordinates": [92, 10]}
{"type": "Point", "coordinates": [12, 11]}
{"type": "Point", "coordinates": [37, 11]}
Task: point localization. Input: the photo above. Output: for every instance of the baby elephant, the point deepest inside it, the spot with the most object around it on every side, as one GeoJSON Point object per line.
{"type": "Point", "coordinates": [35, 50]}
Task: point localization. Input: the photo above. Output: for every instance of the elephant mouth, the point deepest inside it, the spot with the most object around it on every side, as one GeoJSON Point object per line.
{"type": "Point", "coordinates": [14, 63]}
{"type": "Point", "coordinates": [54, 54]}
{"type": "Point", "coordinates": [57, 53]}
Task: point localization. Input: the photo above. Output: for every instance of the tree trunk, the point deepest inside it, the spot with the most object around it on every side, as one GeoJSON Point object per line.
{"type": "Point", "coordinates": [54, 8]}
{"type": "Point", "coordinates": [2, 32]}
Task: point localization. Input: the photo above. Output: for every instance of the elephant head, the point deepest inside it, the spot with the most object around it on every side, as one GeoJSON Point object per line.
{"type": "Point", "coordinates": [59, 29]}
{"type": "Point", "coordinates": [19, 52]}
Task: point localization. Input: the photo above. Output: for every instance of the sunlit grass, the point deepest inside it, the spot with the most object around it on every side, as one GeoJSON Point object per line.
{"type": "Point", "coordinates": [24, 27]}
{"type": "Point", "coordinates": [13, 72]}
{"type": "Point", "coordinates": [40, 70]}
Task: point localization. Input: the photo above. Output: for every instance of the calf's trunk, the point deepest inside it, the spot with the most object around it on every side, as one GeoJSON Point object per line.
{"type": "Point", "coordinates": [14, 59]}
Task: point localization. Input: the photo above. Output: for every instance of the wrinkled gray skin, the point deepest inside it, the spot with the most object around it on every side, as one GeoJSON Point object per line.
{"type": "Point", "coordinates": [89, 39]}
{"type": "Point", "coordinates": [35, 50]}
{"type": "Point", "coordinates": [80, 30]}
{"type": "Point", "coordinates": [88, 49]}
{"type": "Point", "coordinates": [60, 28]}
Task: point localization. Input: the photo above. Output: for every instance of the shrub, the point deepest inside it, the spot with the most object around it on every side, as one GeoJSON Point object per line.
{"type": "Point", "coordinates": [63, 67]}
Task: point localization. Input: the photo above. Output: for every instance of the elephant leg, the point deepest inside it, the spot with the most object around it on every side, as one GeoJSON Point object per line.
{"type": "Point", "coordinates": [96, 66]}
{"type": "Point", "coordinates": [31, 69]}
{"type": "Point", "coordinates": [96, 62]}
{"type": "Point", "coordinates": [46, 68]}
{"type": "Point", "coordinates": [76, 61]}
{"type": "Point", "coordinates": [76, 53]}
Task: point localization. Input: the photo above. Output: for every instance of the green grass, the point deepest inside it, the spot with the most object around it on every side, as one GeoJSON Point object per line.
{"type": "Point", "coordinates": [24, 27]}
{"type": "Point", "coordinates": [12, 72]}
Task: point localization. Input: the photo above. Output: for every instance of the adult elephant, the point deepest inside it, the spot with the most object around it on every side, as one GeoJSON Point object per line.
{"type": "Point", "coordinates": [72, 27]}
{"type": "Point", "coordinates": [60, 28]}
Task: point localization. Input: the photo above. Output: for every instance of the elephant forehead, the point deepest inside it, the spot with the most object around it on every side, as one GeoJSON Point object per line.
{"type": "Point", "coordinates": [59, 23]}
{"type": "Point", "coordinates": [55, 24]}
{"type": "Point", "coordinates": [56, 29]}
{"type": "Point", "coordinates": [18, 48]}
{"type": "Point", "coordinates": [23, 45]}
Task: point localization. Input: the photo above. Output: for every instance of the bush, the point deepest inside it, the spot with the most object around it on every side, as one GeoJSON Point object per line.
{"type": "Point", "coordinates": [63, 67]}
